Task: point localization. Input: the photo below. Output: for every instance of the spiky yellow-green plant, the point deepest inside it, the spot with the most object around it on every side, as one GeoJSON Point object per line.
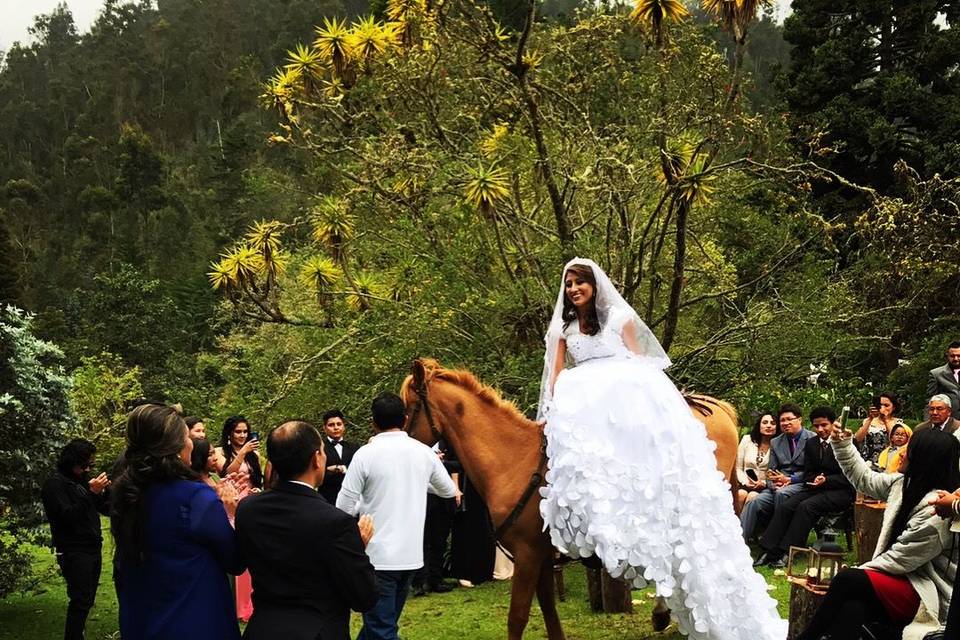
{"type": "Point", "coordinates": [735, 15]}
{"type": "Point", "coordinates": [369, 38]}
{"type": "Point", "coordinates": [320, 273]}
{"type": "Point", "coordinates": [406, 16]}
{"type": "Point", "coordinates": [238, 268]}
{"type": "Point", "coordinates": [264, 238]}
{"type": "Point", "coordinates": [364, 285]}
{"type": "Point", "coordinates": [281, 89]}
{"type": "Point", "coordinates": [651, 14]}
{"type": "Point", "coordinates": [490, 145]}
{"type": "Point", "coordinates": [332, 224]}
{"type": "Point", "coordinates": [308, 63]}
{"type": "Point", "coordinates": [487, 187]}
{"type": "Point", "coordinates": [333, 43]}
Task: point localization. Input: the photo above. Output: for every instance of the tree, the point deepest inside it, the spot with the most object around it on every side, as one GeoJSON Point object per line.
{"type": "Point", "coordinates": [34, 418]}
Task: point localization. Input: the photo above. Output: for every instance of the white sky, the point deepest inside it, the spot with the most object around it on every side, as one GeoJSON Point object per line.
{"type": "Point", "coordinates": [17, 15]}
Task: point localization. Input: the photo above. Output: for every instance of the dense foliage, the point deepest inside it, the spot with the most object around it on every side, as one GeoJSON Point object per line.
{"type": "Point", "coordinates": [34, 418]}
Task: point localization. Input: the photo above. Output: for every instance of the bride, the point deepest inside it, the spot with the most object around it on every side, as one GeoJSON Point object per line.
{"type": "Point", "coordinates": [632, 477]}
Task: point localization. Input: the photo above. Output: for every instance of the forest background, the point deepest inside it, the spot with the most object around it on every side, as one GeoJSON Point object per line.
{"type": "Point", "coordinates": [271, 208]}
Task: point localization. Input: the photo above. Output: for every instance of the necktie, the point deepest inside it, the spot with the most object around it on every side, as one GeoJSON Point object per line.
{"type": "Point", "coordinates": [793, 446]}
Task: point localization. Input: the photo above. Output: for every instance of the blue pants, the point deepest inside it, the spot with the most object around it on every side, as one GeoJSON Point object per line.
{"type": "Point", "coordinates": [381, 622]}
{"type": "Point", "coordinates": [763, 506]}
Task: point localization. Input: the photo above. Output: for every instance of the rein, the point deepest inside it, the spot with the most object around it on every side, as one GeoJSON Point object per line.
{"type": "Point", "coordinates": [536, 479]}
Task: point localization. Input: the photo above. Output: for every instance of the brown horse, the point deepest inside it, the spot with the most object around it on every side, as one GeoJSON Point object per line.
{"type": "Point", "coordinates": [481, 426]}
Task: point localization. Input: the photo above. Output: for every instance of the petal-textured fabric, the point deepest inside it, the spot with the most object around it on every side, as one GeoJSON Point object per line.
{"type": "Point", "coordinates": [632, 478]}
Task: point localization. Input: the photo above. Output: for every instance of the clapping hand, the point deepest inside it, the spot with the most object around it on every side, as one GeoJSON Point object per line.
{"type": "Point", "coordinates": [943, 503]}
{"type": "Point", "coordinates": [98, 484]}
{"type": "Point", "coordinates": [229, 496]}
{"type": "Point", "coordinates": [365, 524]}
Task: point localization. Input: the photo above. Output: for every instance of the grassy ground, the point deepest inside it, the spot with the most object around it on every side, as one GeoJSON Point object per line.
{"type": "Point", "coordinates": [478, 613]}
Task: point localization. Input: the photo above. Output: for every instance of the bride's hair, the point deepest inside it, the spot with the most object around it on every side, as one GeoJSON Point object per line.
{"type": "Point", "coordinates": [570, 311]}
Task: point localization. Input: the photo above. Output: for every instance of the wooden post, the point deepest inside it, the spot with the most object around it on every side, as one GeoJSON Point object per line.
{"type": "Point", "coordinates": [616, 594]}
{"type": "Point", "coordinates": [804, 602]}
{"type": "Point", "coordinates": [594, 590]}
{"type": "Point", "coordinates": [868, 520]}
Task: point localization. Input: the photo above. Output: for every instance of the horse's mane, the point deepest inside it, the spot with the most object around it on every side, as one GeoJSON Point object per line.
{"type": "Point", "coordinates": [704, 405]}
{"type": "Point", "coordinates": [467, 381]}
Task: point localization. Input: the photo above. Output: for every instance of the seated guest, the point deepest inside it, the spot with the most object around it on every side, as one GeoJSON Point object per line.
{"type": "Point", "coordinates": [908, 581]}
{"type": "Point", "coordinates": [874, 435]}
{"type": "Point", "coordinates": [306, 557]}
{"type": "Point", "coordinates": [753, 456]}
{"type": "Point", "coordinates": [889, 459]}
{"type": "Point", "coordinates": [825, 490]}
{"type": "Point", "coordinates": [174, 544]}
{"type": "Point", "coordinates": [784, 471]}
{"type": "Point", "coordinates": [389, 479]}
{"type": "Point", "coordinates": [938, 416]}
{"type": "Point", "coordinates": [339, 454]}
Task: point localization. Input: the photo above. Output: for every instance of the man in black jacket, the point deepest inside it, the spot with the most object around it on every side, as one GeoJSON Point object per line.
{"type": "Point", "coordinates": [826, 490]}
{"type": "Point", "coordinates": [73, 504]}
{"type": "Point", "coordinates": [306, 557]}
{"type": "Point", "coordinates": [339, 454]}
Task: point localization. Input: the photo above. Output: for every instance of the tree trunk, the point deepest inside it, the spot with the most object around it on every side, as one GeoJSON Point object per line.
{"type": "Point", "coordinates": [676, 287]}
{"type": "Point", "coordinates": [804, 602]}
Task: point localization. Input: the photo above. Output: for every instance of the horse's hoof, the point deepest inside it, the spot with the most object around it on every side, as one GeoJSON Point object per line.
{"type": "Point", "coordinates": [660, 620]}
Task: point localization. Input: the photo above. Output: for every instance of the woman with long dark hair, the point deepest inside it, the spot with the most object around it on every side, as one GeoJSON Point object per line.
{"type": "Point", "coordinates": [874, 435]}
{"type": "Point", "coordinates": [174, 545]}
{"type": "Point", "coordinates": [240, 454]}
{"type": "Point", "coordinates": [908, 583]}
{"type": "Point", "coordinates": [753, 457]}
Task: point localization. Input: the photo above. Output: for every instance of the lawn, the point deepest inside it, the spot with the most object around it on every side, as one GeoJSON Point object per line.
{"type": "Point", "coordinates": [476, 613]}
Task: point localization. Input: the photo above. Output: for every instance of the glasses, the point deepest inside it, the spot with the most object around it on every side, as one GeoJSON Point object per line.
{"type": "Point", "coordinates": [789, 419]}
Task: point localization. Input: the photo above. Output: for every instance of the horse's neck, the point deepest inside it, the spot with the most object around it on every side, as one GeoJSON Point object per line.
{"type": "Point", "coordinates": [499, 451]}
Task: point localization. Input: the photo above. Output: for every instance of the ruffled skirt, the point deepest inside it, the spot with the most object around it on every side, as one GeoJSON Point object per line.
{"type": "Point", "coordinates": [632, 478]}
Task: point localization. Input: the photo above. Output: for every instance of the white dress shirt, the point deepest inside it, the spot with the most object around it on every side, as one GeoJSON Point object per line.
{"type": "Point", "coordinates": [389, 479]}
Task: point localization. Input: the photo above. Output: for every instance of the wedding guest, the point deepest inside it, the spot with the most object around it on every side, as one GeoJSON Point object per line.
{"type": "Point", "coordinates": [938, 416]}
{"type": "Point", "coordinates": [874, 435]}
{"type": "Point", "coordinates": [889, 460]}
{"type": "Point", "coordinates": [206, 462]}
{"type": "Point", "coordinates": [472, 546]}
{"type": "Point", "coordinates": [339, 454]}
{"type": "Point", "coordinates": [437, 526]}
{"type": "Point", "coordinates": [174, 544]}
{"type": "Point", "coordinates": [753, 456]}
{"type": "Point", "coordinates": [240, 453]}
{"type": "Point", "coordinates": [946, 379]}
{"type": "Point", "coordinates": [299, 592]}
{"type": "Point", "coordinates": [73, 503]}
{"type": "Point", "coordinates": [906, 587]}
{"type": "Point", "coordinates": [389, 480]}
{"type": "Point", "coordinates": [784, 471]}
{"type": "Point", "coordinates": [196, 427]}
{"type": "Point", "coordinates": [825, 490]}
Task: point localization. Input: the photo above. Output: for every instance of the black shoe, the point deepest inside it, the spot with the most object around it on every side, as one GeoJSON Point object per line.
{"type": "Point", "coordinates": [418, 591]}
{"type": "Point", "coordinates": [779, 563]}
{"type": "Point", "coordinates": [762, 560]}
{"type": "Point", "coordinates": [441, 587]}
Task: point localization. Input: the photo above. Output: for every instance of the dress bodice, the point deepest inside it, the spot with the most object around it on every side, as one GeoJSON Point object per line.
{"type": "Point", "coordinates": [606, 343]}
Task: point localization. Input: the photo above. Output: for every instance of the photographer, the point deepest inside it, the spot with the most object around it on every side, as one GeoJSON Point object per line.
{"type": "Point", "coordinates": [73, 503]}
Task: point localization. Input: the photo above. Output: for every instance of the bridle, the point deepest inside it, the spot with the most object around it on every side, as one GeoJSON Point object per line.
{"type": "Point", "coordinates": [424, 405]}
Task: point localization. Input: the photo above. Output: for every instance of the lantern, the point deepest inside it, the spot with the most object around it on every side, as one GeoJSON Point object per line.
{"type": "Point", "coordinates": [829, 558]}
{"type": "Point", "coordinates": [800, 564]}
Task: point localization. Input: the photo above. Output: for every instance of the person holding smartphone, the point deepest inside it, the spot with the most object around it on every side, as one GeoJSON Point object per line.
{"type": "Point", "coordinates": [873, 436]}
{"type": "Point", "coordinates": [753, 457]}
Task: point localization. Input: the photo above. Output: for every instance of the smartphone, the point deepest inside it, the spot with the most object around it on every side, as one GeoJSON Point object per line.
{"type": "Point", "coordinates": [844, 414]}
{"type": "Point", "coordinates": [254, 436]}
{"type": "Point", "coordinates": [752, 474]}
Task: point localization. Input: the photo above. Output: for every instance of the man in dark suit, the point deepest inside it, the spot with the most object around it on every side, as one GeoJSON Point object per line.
{"type": "Point", "coordinates": [306, 557]}
{"type": "Point", "coordinates": [436, 529]}
{"type": "Point", "coordinates": [938, 415]}
{"type": "Point", "coordinates": [339, 454]}
{"type": "Point", "coordinates": [825, 490]}
{"type": "Point", "coordinates": [946, 379]}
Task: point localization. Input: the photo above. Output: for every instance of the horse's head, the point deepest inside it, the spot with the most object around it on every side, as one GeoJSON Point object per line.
{"type": "Point", "coordinates": [422, 419]}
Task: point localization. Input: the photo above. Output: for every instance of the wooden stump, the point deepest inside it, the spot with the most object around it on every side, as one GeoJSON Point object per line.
{"type": "Point", "coordinates": [868, 519]}
{"type": "Point", "coordinates": [804, 602]}
{"type": "Point", "coordinates": [608, 594]}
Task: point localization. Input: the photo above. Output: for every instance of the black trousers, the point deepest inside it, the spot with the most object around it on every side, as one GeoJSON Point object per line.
{"type": "Point", "coordinates": [793, 520]}
{"type": "Point", "coordinates": [850, 603]}
{"type": "Point", "coordinates": [952, 632]}
{"type": "Point", "coordinates": [81, 570]}
{"type": "Point", "coordinates": [436, 530]}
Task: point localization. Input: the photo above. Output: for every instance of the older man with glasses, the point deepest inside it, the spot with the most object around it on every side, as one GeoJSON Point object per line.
{"type": "Point", "coordinates": [939, 415]}
{"type": "Point", "coordinates": [785, 470]}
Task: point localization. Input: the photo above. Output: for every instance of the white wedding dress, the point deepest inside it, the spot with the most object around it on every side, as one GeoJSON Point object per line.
{"type": "Point", "coordinates": [632, 478]}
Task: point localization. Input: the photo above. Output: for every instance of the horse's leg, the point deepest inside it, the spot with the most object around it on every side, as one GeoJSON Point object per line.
{"type": "Point", "coordinates": [660, 618]}
{"type": "Point", "coordinates": [546, 597]}
{"type": "Point", "coordinates": [527, 563]}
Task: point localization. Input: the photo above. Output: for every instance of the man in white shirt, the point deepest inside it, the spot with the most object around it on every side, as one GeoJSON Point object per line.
{"type": "Point", "coordinates": [389, 480]}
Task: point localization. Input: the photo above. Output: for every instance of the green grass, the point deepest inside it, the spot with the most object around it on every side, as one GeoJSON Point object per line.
{"type": "Point", "coordinates": [477, 613]}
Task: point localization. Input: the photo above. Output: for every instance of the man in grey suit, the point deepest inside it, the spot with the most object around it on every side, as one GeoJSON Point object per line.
{"type": "Point", "coordinates": [938, 415]}
{"type": "Point", "coordinates": [785, 470]}
{"type": "Point", "coordinates": [946, 379]}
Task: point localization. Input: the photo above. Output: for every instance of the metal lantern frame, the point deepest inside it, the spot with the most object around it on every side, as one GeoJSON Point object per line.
{"type": "Point", "coordinates": [814, 567]}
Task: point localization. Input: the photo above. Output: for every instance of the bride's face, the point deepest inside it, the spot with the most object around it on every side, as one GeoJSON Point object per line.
{"type": "Point", "coordinates": [578, 290]}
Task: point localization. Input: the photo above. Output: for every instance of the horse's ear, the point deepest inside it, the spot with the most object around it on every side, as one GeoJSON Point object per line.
{"type": "Point", "coordinates": [419, 373]}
